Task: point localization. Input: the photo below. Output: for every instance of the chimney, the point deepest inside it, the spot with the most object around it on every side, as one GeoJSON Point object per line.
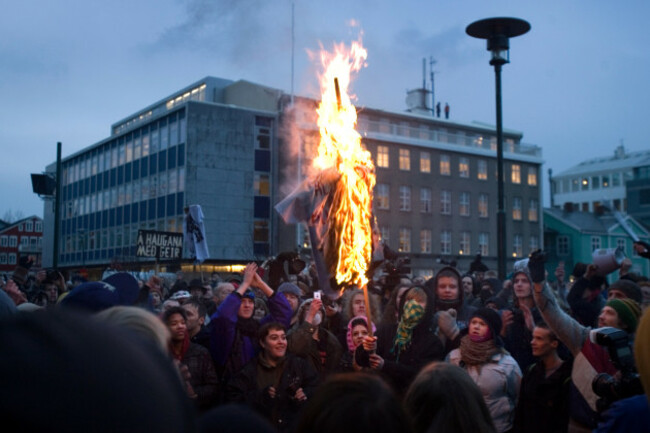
{"type": "Point", "coordinates": [619, 153]}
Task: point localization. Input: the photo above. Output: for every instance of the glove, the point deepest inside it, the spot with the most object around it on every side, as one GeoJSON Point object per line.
{"type": "Point", "coordinates": [447, 323]}
{"type": "Point", "coordinates": [536, 266]}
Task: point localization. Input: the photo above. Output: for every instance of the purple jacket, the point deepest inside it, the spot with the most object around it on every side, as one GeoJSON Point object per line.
{"type": "Point", "coordinates": [224, 329]}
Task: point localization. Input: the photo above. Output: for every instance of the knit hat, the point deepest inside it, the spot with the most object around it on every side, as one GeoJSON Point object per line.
{"type": "Point", "coordinates": [197, 284]}
{"type": "Point", "coordinates": [249, 294]}
{"type": "Point", "coordinates": [290, 288]}
{"type": "Point", "coordinates": [629, 288]}
{"type": "Point", "coordinates": [181, 294]}
{"type": "Point", "coordinates": [491, 318]}
{"type": "Point", "coordinates": [628, 312]}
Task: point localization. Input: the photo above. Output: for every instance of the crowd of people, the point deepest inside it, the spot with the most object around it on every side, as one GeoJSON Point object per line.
{"type": "Point", "coordinates": [460, 351]}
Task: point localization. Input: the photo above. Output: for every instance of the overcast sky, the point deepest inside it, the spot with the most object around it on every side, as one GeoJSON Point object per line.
{"type": "Point", "coordinates": [577, 83]}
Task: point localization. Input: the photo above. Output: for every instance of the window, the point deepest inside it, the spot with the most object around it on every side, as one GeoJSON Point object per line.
{"type": "Point", "coordinates": [385, 234]}
{"type": "Point", "coordinates": [515, 173]}
{"type": "Point", "coordinates": [405, 198]}
{"type": "Point", "coordinates": [20, 227]}
{"type": "Point", "coordinates": [261, 184]}
{"type": "Point", "coordinates": [29, 226]}
{"type": "Point", "coordinates": [404, 159]}
{"type": "Point", "coordinates": [595, 182]}
{"type": "Point", "coordinates": [482, 169]}
{"type": "Point", "coordinates": [4, 241]}
{"type": "Point", "coordinates": [382, 196]}
{"type": "Point", "coordinates": [425, 162]}
{"type": "Point", "coordinates": [532, 176]}
{"type": "Point", "coordinates": [404, 240]}
{"type": "Point", "coordinates": [13, 241]}
{"type": "Point", "coordinates": [620, 243]}
{"type": "Point", "coordinates": [533, 211]}
{"type": "Point", "coordinates": [575, 185]}
{"type": "Point", "coordinates": [382, 156]}
{"type": "Point", "coordinates": [465, 243]}
{"type": "Point", "coordinates": [24, 241]}
{"type": "Point", "coordinates": [445, 242]}
{"type": "Point", "coordinates": [483, 244]}
{"type": "Point", "coordinates": [3, 258]}
{"type": "Point", "coordinates": [584, 183]}
{"type": "Point", "coordinates": [595, 243]}
{"type": "Point", "coordinates": [516, 208]}
{"type": "Point", "coordinates": [483, 206]}
{"type": "Point", "coordinates": [445, 165]}
{"type": "Point", "coordinates": [425, 241]}
{"type": "Point", "coordinates": [463, 207]}
{"type": "Point", "coordinates": [463, 167]}
{"type": "Point", "coordinates": [517, 246]}
{"type": "Point", "coordinates": [445, 202]}
{"type": "Point", "coordinates": [605, 180]}
{"type": "Point", "coordinates": [425, 200]}
{"type": "Point", "coordinates": [562, 245]}
{"type": "Point", "coordinates": [533, 243]}
{"type": "Point", "coordinates": [261, 231]}
{"type": "Point", "coordinates": [12, 258]}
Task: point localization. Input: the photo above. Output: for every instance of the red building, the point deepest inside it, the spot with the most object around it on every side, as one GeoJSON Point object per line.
{"type": "Point", "coordinates": [20, 238]}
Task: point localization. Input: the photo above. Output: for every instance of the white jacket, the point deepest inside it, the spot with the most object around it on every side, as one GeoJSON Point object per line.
{"type": "Point", "coordinates": [498, 380]}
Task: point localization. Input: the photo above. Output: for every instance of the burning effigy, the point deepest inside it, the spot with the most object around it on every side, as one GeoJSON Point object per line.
{"type": "Point", "coordinates": [335, 201]}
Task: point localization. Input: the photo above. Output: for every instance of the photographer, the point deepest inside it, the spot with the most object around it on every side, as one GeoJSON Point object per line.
{"type": "Point", "coordinates": [633, 414]}
{"type": "Point", "coordinates": [590, 359]}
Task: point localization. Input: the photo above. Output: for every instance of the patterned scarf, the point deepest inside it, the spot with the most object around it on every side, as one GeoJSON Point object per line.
{"type": "Point", "coordinates": [411, 316]}
{"type": "Point", "coordinates": [476, 353]}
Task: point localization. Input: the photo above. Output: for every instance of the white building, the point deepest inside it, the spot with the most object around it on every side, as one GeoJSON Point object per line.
{"type": "Point", "coordinates": [597, 181]}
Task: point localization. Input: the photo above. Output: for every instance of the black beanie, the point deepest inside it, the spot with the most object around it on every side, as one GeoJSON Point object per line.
{"type": "Point", "coordinates": [491, 317]}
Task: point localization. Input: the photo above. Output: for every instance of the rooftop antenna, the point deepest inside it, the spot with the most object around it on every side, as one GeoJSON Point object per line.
{"type": "Point", "coordinates": [432, 62]}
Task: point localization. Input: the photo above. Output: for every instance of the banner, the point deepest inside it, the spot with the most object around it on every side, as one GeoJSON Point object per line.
{"type": "Point", "coordinates": [159, 245]}
{"type": "Point", "coordinates": [194, 234]}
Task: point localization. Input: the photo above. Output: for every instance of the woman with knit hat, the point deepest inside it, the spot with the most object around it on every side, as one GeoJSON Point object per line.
{"type": "Point", "coordinates": [491, 367]}
{"type": "Point", "coordinates": [357, 331]}
{"type": "Point", "coordinates": [402, 349]}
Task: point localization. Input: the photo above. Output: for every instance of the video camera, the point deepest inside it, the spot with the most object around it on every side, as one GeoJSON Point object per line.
{"type": "Point", "coordinates": [610, 388]}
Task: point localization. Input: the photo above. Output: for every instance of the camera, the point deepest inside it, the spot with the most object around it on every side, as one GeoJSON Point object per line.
{"type": "Point", "coordinates": [610, 388]}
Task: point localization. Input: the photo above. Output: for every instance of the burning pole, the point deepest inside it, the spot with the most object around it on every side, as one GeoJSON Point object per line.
{"type": "Point", "coordinates": [336, 199]}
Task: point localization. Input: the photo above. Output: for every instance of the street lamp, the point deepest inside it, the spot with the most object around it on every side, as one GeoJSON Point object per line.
{"type": "Point", "coordinates": [497, 31]}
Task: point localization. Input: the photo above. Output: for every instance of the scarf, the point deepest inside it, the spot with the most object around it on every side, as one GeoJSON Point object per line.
{"type": "Point", "coordinates": [444, 305]}
{"type": "Point", "coordinates": [476, 353]}
{"type": "Point", "coordinates": [179, 353]}
{"type": "Point", "coordinates": [248, 327]}
{"type": "Point", "coordinates": [412, 314]}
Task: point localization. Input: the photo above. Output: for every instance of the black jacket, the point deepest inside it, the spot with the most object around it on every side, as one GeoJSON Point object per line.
{"type": "Point", "coordinates": [283, 410]}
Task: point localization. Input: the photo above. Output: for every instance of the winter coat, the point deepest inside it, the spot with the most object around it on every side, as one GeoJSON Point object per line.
{"type": "Point", "coordinates": [203, 377]}
{"type": "Point", "coordinates": [282, 410]}
{"type": "Point", "coordinates": [224, 332]}
{"type": "Point", "coordinates": [589, 358]}
{"type": "Point", "coordinates": [544, 401]}
{"type": "Point", "coordinates": [498, 380]}
{"type": "Point", "coordinates": [302, 343]}
{"type": "Point", "coordinates": [518, 337]}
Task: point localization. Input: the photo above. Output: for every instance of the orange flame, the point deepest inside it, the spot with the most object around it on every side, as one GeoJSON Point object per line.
{"type": "Point", "coordinates": [340, 149]}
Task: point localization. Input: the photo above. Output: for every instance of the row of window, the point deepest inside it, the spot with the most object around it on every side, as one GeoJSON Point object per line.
{"type": "Point", "coordinates": [119, 237]}
{"type": "Point", "coordinates": [382, 197]}
{"type": "Point", "coordinates": [596, 182]}
{"type": "Point", "coordinates": [464, 246]}
{"type": "Point", "coordinates": [151, 187]}
{"type": "Point", "coordinates": [445, 165]}
{"type": "Point", "coordinates": [7, 259]}
{"type": "Point", "coordinates": [31, 226]}
{"type": "Point", "coordinates": [563, 246]}
{"type": "Point", "coordinates": [262, 186]}
{"type": "Point", "coordinates": [12, 241]}
{"type": "Point", "coordinates": [159, 135]}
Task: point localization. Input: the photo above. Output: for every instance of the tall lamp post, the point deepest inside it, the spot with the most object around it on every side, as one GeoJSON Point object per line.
{"type": "Point", "coordinates": [497, 31]}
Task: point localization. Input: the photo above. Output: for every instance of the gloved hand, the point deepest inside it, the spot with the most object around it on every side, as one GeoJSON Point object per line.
{"type": "Point", "coordinates": [447, 323]}
{"type": "Point", "coordinates": [536, 266]}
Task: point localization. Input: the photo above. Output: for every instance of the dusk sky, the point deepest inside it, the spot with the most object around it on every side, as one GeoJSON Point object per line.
{"type": "Point", "coordinates": [577, 84]}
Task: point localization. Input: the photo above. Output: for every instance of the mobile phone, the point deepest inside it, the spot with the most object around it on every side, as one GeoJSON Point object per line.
{"type": "Point", "coordinates": [317, 295]}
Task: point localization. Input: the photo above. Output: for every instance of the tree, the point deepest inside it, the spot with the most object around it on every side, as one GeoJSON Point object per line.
{"type": "Point", "coordinates": [11, 216]}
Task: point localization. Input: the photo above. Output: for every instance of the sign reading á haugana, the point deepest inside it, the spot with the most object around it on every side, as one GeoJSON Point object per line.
{"type": "Point", "coordinates": [159, 245]}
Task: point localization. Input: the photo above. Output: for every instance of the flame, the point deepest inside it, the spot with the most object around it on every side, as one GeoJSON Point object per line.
{"type": "Point", "coordinates": [340, 149]}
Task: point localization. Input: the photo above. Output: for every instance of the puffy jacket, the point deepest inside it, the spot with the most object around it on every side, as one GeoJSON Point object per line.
{"type": "Point", "coordinates": [499, 380]}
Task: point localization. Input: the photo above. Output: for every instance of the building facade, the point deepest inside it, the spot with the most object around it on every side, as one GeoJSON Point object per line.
{"type": "Point", "coordinates": [237, 149]}
{"type": "Point", "coordinates": [597, 181]}
{"type": "Point", "coordinates": [21, 238]}
{"type": "Point", "coordinates": [572, 236]}
{"type": "Point", "coordinates": [638, 195]}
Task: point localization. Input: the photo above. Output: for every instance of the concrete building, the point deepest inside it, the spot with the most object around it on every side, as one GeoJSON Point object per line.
{"type": "Point", "coordinates": [597, 181]}
{"type": "Point", "coordinates": [229, 146]}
